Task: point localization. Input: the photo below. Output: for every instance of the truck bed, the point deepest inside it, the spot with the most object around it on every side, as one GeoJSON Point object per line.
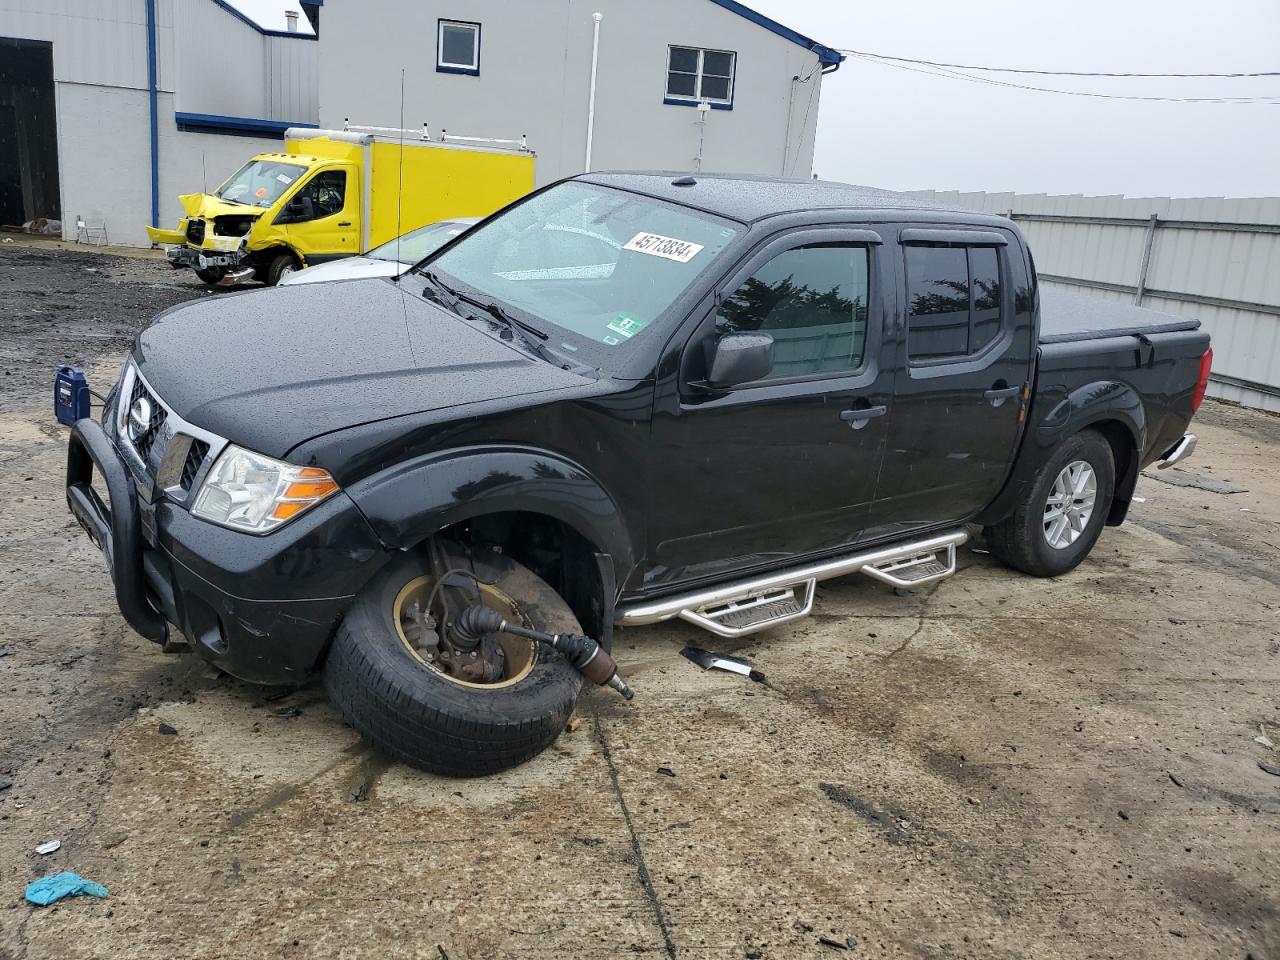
{"type": "Point", "coordinates": [1066, 317]}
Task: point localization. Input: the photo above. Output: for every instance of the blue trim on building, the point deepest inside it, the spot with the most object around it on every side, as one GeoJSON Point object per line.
{"type": "Point", "coordinates": [152, 101]}
{"type": "Point", "coordinates": [680, 102]}
{"type": "Point", "coordinates": [466, 71]}
{"type": "Point", "coordinates": [214, 123]}
{"type": "Point", "coordinates": [827, 55]}
{"type": "Point", "coordinates": [261, 29]}
{"type": "Point", "coordinates": [312, 3]}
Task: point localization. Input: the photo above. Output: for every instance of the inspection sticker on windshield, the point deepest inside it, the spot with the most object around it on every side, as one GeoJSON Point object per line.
{"type": "Point", "coordinates": [284, 178]}
{"type": "Point", "coordinates": [626, 325]}
{"type": "Point", "coordinates": [656, 245]}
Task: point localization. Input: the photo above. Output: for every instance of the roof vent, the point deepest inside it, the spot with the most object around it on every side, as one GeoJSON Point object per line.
{"type": "Point", "coordinates": [684, 182]}
{"type": "Point", "coordinates": [291, 20]}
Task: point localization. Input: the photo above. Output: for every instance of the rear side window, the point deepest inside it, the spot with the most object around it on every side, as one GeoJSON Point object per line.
{"type": "Point", "coordinates": [954, 300]}
{"type": "Point", "coordinates": [813, 301]}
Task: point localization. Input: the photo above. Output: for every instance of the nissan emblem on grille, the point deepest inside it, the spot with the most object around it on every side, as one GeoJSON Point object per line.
{"type": "Point", "coordinates": [139, 418]}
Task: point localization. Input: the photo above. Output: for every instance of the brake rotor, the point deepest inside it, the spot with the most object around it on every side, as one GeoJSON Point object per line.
{"type": "Point", "coordinates": [494, 661]}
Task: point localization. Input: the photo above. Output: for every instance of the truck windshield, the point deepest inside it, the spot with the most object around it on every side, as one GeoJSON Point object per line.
{"type": "Point", "coordinates": [592, 266]}
{"type": "Point", "coordinates": [260, 183]}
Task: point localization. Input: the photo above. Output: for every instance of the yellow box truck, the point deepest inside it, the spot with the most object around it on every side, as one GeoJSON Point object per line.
{"type": "Point", "coordinates": [337, 193]}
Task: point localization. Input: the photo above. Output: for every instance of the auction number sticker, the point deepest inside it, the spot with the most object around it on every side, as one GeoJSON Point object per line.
{"type": "Point", "coordinates": [656, 245]}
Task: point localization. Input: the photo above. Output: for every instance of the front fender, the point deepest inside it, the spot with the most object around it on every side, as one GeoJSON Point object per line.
{"type": "Point", "coordinates": [412, 500]}
{"type": "Point", "coordinates": [1056, 414]}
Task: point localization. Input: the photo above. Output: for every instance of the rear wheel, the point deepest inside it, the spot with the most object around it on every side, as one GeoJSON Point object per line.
{"type": "Point", "coordinates": [405, 682]}
{"type": "Point", "coordinates": [1061, 518]}
{"type": "Point", "coordinates": [281, 266]}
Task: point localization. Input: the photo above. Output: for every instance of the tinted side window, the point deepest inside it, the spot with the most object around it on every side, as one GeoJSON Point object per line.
{"type": "Point", "coordinates": [813, 301]}
{"type": "Point", "coordinates": [954, 300]}
{"type": "Point", "coordinates": [938, 298]}
{"type": "Point", "coordinates": [984, 270]}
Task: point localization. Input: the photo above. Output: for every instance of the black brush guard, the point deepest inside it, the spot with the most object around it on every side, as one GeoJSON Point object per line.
{"type": "Point", "coordinates": [114, 526]}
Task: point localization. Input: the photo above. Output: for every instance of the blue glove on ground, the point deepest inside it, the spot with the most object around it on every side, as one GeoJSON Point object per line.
{"type": "Point", "coordinates": [54, 887]}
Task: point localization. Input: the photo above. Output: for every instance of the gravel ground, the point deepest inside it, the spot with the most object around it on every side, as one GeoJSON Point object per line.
{"type": "Point", "coordinates": [993, 767]}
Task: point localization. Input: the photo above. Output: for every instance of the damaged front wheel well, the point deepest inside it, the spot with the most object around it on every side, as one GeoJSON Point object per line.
{"type": "Point", "coordinates": [553, 550]}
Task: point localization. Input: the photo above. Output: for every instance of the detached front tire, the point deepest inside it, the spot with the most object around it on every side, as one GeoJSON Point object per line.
{"type": "Point", "coordinates": [1056, 525]}
{"type": "Point", "coordinates": [396, 698]}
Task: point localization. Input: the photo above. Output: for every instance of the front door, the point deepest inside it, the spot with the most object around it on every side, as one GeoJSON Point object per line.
{"type": "Point", "coordinates": [784, 466]}
{"type": "Point", "coordinates": [322, 216]}
{"type": "Point", "coordinates": [958, 397]}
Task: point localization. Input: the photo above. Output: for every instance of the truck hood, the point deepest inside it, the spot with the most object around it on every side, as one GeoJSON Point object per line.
{"type": "Point", "coordinates": [269, 369]}
{"type": "Point", "coordinates": [208, 206]}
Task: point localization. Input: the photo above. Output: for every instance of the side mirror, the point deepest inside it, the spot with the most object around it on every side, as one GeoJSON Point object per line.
{"type": "Point", "coordinates": [298, 209]}
{"type": "Point", "coordinates": [740, 358]}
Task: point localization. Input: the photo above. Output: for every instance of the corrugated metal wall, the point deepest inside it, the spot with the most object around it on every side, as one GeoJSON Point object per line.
{"type": "Point", "coordinates": [103, 43]}
{"type": "Point", "coordinates": [227, 68]}
{"type": "Point", "coordinates": [292, 68]}
{"type": "Point", "coordinates": [1206, 257]}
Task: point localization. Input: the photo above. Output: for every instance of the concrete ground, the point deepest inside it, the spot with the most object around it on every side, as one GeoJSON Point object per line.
{"type": "Point", "coordinates": [994, 767]}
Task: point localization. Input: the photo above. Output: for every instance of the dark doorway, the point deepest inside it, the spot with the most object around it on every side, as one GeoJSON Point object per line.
{"type": "Point", "coordinates": [28, 133]}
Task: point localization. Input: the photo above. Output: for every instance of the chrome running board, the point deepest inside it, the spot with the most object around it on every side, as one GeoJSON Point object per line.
{"type": "Point", "coordinates": [746, 606]}
{"type": "Point", "coordinates": [754, 611]}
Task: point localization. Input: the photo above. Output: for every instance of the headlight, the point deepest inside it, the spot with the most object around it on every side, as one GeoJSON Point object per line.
{"type": "Point", "coordinates": [247, 491]}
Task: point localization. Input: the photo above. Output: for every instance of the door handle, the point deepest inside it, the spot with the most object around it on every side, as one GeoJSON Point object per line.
{"type": "Point", "coordinates": [857, 419]}
{"type": "Point", "coordinates": [344, 223]}
{"type": "Point", "coordinates": [997, 396]}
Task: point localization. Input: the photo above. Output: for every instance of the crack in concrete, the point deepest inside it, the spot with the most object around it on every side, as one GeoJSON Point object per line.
{"type": "Point", "coordinates": [920, 618]}
{"type": "Point", "coordinates": [646, 881]}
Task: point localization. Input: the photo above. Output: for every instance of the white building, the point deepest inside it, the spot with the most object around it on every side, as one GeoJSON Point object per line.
{"type": "Point", "coordinates": [498, 68]}
{"type": "Point", "coordinates": [109, 109]}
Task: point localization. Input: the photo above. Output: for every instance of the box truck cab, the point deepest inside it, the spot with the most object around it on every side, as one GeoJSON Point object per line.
{"type": "Point", "coordinates": [337, 193]}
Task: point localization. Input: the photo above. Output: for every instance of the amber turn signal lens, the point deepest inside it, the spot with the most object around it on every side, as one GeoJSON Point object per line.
{"type": "Point", "coordinates": [289, 508]}
{"type": "Point", "coordinates": [309, 489]}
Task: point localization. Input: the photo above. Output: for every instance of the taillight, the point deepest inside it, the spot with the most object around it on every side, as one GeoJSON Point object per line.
{"type": "Point", "coordinates": [1202, 381]}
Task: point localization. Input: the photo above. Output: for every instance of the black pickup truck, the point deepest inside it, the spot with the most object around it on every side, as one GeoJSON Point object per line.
{"type": "Point", "coordinates": [623, 399]}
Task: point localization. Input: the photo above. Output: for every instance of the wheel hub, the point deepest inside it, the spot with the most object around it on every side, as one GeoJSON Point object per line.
{"type": "Point", "coordinates": [493, 661]}
{"type": "Point", "coordinates": [1069, 507]}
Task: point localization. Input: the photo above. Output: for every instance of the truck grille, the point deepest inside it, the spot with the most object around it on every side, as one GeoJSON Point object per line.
{"type": "Point", "coordinates": [146, 439]}
{"type": "Point", "coordinates": [195, 231]}
{"type": "Point", "coordinates": [166, 454]}
{"type": "Point", "coordinates": [191, 466]}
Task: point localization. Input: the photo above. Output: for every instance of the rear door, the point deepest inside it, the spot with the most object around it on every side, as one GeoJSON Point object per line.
{"type": "Point", "coordinates": [786, 465]}
{"type": "Point", "coordinates": [958, 395]}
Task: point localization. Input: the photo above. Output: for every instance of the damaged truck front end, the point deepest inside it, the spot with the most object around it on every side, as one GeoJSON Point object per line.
{"type": "Point", "coordinates": [258, 225]}
{"type": "Point", "coordinates": [213, 243]}
{"type": "Point", "coordinates": [215, 239]}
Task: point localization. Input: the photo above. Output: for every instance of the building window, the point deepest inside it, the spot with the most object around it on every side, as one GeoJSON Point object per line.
{"type": "Point", "coordinates": [954, 298]}
{"type": "Point", "coordinates": [694, 75]}
{"type": "Point", "coordinates": [458, 47]}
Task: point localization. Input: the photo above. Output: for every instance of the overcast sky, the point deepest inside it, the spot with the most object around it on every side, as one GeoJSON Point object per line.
{"type": "Point", "coordinates": [901, 130]}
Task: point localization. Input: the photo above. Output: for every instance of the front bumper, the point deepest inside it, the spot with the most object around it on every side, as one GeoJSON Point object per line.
{"type": "Point", "coordinates": [203, 259]}
{"type": "Point", "coordinates": [261, 608]}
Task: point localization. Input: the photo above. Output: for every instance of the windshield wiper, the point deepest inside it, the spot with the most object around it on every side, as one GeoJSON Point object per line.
{"type": "Point", "coordinates": [532, 337]}
{"type": "Point", "coordinates": [441, 292]}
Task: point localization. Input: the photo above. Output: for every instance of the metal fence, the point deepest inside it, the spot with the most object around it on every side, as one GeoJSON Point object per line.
{"type": "Point", "coordinates": [1211, 258]}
